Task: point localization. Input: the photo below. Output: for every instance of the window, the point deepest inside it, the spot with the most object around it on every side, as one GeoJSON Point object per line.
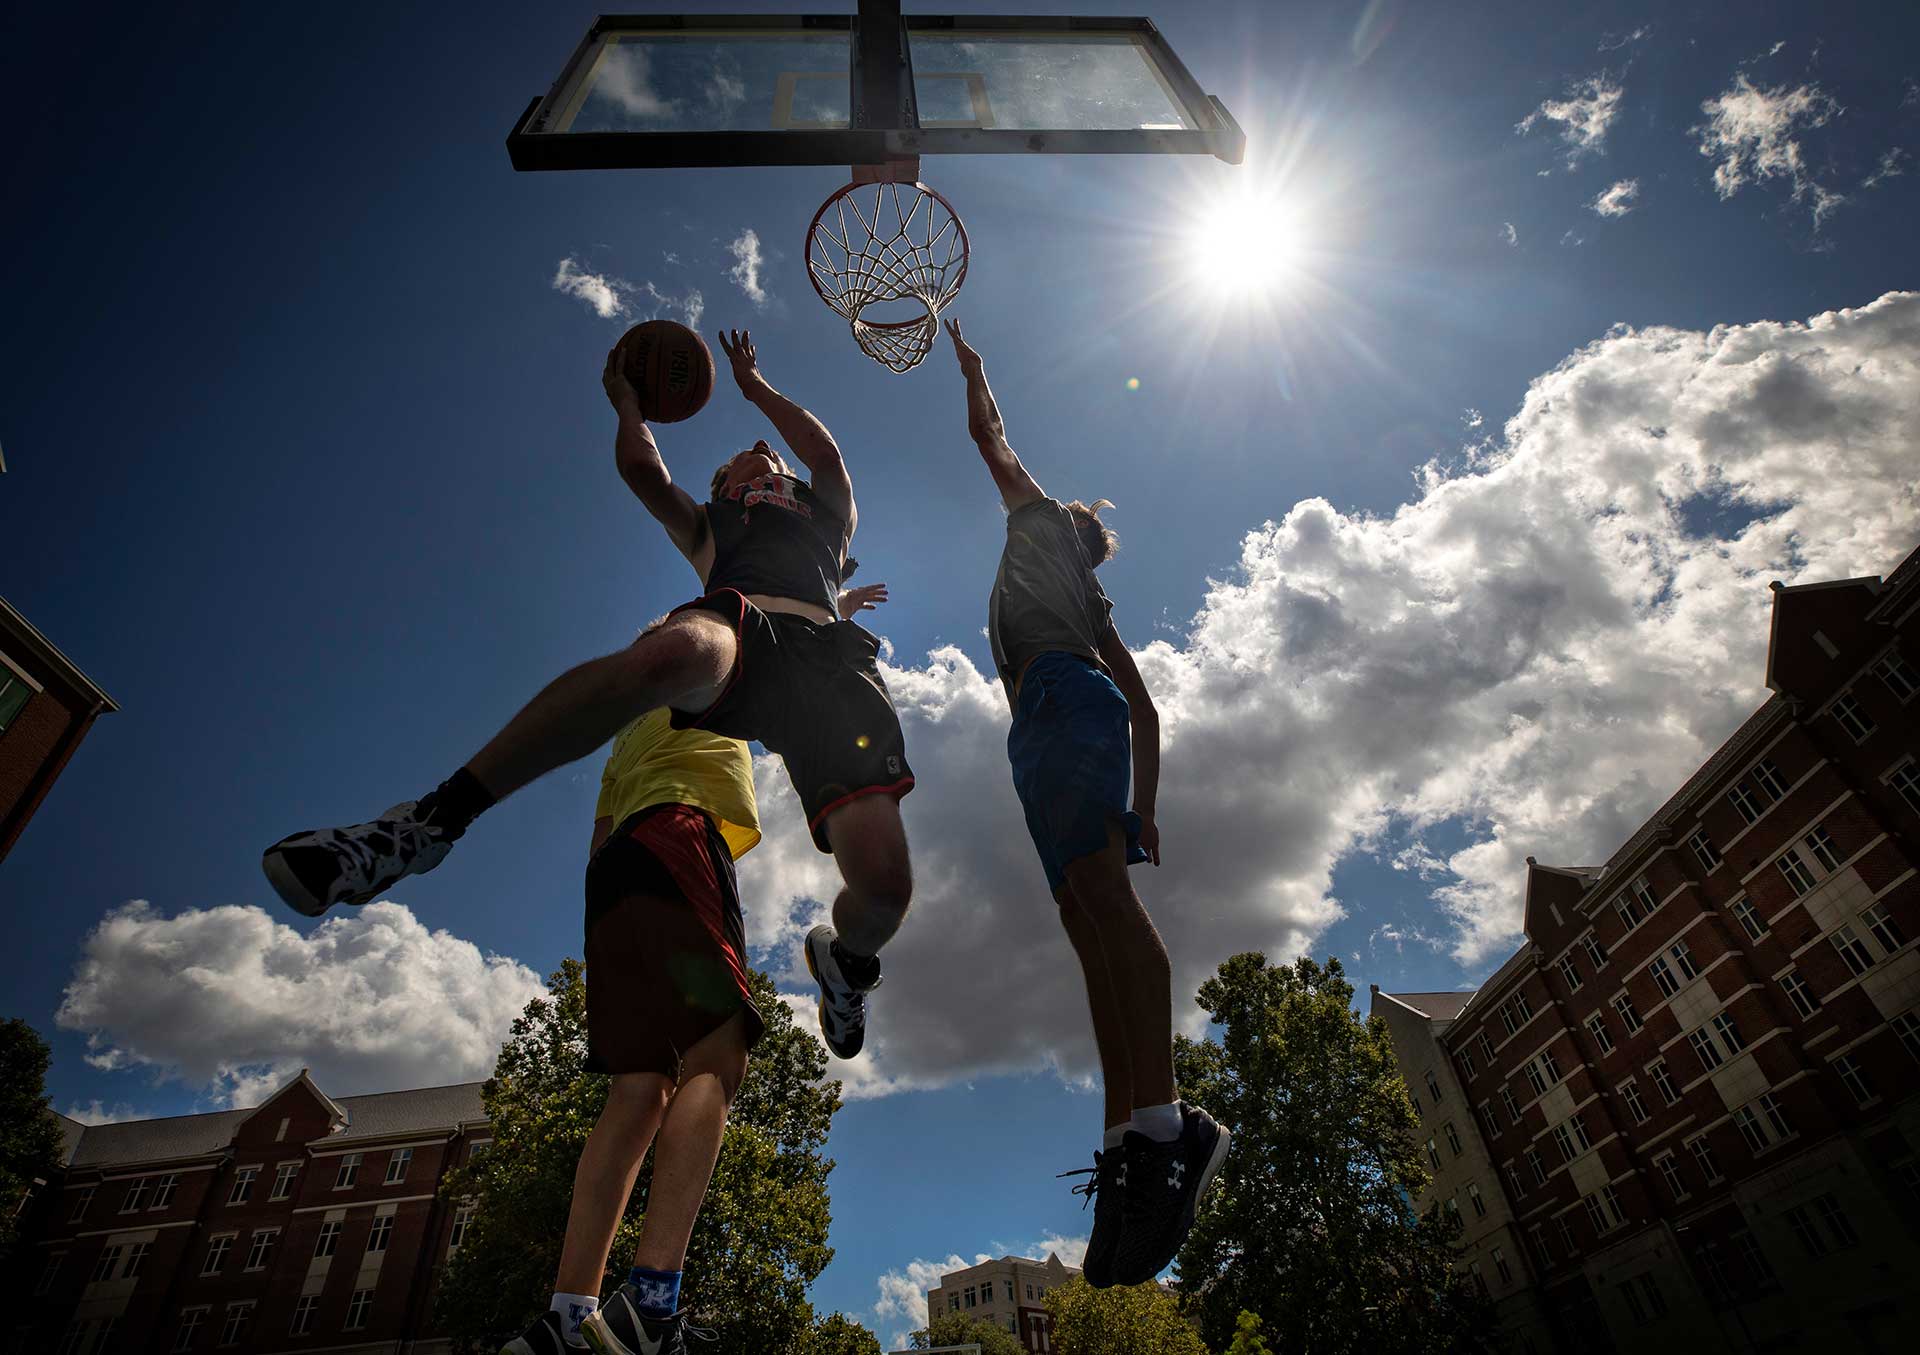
{"type": "Point", "coordinates": [1760, 1273]}
{"type": "Point", "coordinates": [1907, 1027]}
{"type": "Point", "coordinates": [1564, 1142]}
{"type": "Point", "coordinates": [382, 1233]}
{"type": "Point", "coordinates": [1750, 921]}
{"type": "Point", "coordinates": [1490, 1118]}
{"type": "Point", "coordinates": [1500, 1264]}
{"type": "Point", "coordinates": [1534, 1078]}
{"type": "Point", "coordinates": [216, 1255]}
{"type": "Point", "coordinates": [1479, 1280]}
{"type": "Point", "coordinates": [1433, 1154]}
{"type": "Point", "coordinates": [14, 695]}
{"type": "Point", "coordinates": [1650, 1292]}
{"type": "Point", "coordinates": [1009, 1285]}
{"type": "Point", "coordinates": [329, 1240]}
{"type": "Point", "coordinates": [80, 1204]}
{"type": "Point", "coordinates": [462, 1217]}
{"type": "Point", "coordinates": [1550, 1066]}
{"type": "Point", "coordinates": [1855, 721]}
{"type": "Point", "coordinates": [971, 1298]}
{"type": "Point", "coordinates": [283, 1180]}
{"type": "Point", "coordinates": [1855, 1079]}
{"type": "Point", "coordinates": [163, 1191]}
{"type": "Point", "coordinates": [135, 1197]}
{"type": "Point", "coordinates": [136, 1260]}
{"type": "Point", "coordinates": [1413, 1099]}
{"type": "Point", "coordinates": [1683, 960]}
{"type": "Point", "coordinates": [1800, 1219]}
{"type": "Point", "coordinates": [1630, 906]}
{"type": "Point", "coordinates": [1714, 1267]}
{"type": "Point", "coordinates": [1453, 1139]}
{"type": "Point", "coordinates": [1663, 976]}
{"type": "Point", "coordinates": [75, 1336]}
{"type": "Point", "coordinates": [1634, 1304]}
{"type": "Point", "coordinates": [1566, 1233]}
{"type": "Point", "coordinates": [1669, 1167]}
{"type": "Point", "coordinates": [1743, 800]}
{"type": "Point", "coordinates": [1798, 877]}
{"type": "Point", "coordinates": [1486, 1049]}
{"type": "Point", "coordinates": [1767, 778]}
{"type": "Point", "coordinates": [1663, 1081]}
{"type": "Point", "coordinates": [261, 1251]}
{"type": "Point", "coordinates": [1835, 1218]}
{"type": "Point", "coordinates": [1703, 1046]}
{"type": "Point", "coordinates": [242, 1185]}
{"type": "Point", "coordinates": [1536, 1166]}
{"type": "Point", "coordinates": [1580, 1136]}
{"type": "Point", "coordinates": [47, 1274]}
{"type": "Point", "coordinates": [1473, 1198]}
{"type": "Point", "coordinates": [1906, 780]}
{"type": "Point", "coordinates": [397, 1165]}
{"type": "Point", "coordinates": [1820, 843]}
{"type": "Point", "coordinates": [1596, 953]}
{"type": "Point", "coordinates": [191, 1320]}
{"type": "Point", "coordinates": [1466, 1062]}
{"type": "Point", "coordinates": [1630, 1093]}
{"type": "Point", "coordinates": [1453, 1205]}
{"type": "Point", "coordinates": [1885, 930]}
{"type": "Point", "coordinates": [953, 1302]}
{"type": "Point", "coordinates": [1901, 680]}
{"type": "Point", "coordinates": [1509, 1021]}
{"type": "Point", "coordinates": [1775, 1116]}
{"type": "Point", "coordinates": [1729, 1033]}
{"type": "Point", "coordinates": [1629, 1014]}
{"type": "Point", "coordinates": [1597, 1027]}
{"type": "Point", "coordinates": [1703, 848]}
{"type": "Point", "coordinates": [1801, 995]}
{"type": "Point", "coordinates": [1513, 1106]}
{"type": "Point", "coordinates": [349, 1171]}
{"type": "Point", "coordinates": [1750, 1128]}
{"type": "Point", "coordinates": [1570, 972]}
{"type": "Point", "coordinates": [1029, 1289]}
{"type": "Point", "coordinates": [1703, 1156]}
{"type": "Point", "coordinates": [109, 1258]}
{"type": "Point", "coordinates": [235, 1326]}
{"type": "Point", "coordinates": [1517, 1182]}
{"type": "Point", "coordinates": [1537, 1241]}
{"type": "Point", "coordinates": [357, 1307]}
{"type": "Point", "coordinates": [303, 1315]}
{"type": "Point", "coordinates": [1595, 1216]}
{"type": "Point", "coordinates": [1854, 951]}
{"type": "Point", "coordinates": [1610, 1204]}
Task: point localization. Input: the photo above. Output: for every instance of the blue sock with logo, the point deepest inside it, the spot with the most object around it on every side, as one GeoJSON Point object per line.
{"type": "Point", "coordinates": [656, 1292]}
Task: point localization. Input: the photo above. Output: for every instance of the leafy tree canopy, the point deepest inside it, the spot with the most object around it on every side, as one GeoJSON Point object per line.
{"type": "Point", "coordinates": [1310, 1222]}
{"type": "Point", "coordinates": [838, 1334]}
{"type": "Point", "coordinates": [1141, 1319]}
{"type": "Point", "coordinates": [761, 1237]}
{"type": "Point", "coordinates": [957, 1329]}
{"type": "Point", "coordinates": [1246, 1337]}
{"type": "Point", "coordinates": [30, 1143]}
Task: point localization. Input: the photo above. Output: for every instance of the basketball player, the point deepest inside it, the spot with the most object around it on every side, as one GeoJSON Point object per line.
{"type": "Point", "coordinates": [1078, 704]}
{"type": "Point", "coordinates": [669, 1017]}
{"type": "Point", "coordinates": [760, 655]}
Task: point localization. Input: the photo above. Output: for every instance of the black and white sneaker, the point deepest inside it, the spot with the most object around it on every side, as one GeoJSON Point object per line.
{"type": "Point", "coordinates": [1163, 1183]}
{"type": "Point", "coordinates": [544, 1337]}
{"type": "Point", "coordinates": [314, 870]}
{"type": "Point", "coordinates": [843, 1006]}
{"type": "Point", "coordinates": [617, 1327]}
{"type": "Point", "coordinates": [1107, 1179]}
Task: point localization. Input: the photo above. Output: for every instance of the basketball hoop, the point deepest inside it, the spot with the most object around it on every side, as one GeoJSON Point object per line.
{"type": "Point", "coordinates": [884, 242]}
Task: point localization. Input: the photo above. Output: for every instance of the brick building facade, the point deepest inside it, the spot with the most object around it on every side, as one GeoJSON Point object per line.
{"type": "Point", "coordinates": [1693, 1089]}
{"type": "Point", "coordinates": [1009, 1293]}
{"type": "Point", "coordinates": [303, 1224]}
{"type": "Point", "coordinates": [47, 705]}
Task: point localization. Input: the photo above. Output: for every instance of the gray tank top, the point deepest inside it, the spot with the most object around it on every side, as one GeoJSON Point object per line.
{"type": "Point", "coordinates": [1045, 596]}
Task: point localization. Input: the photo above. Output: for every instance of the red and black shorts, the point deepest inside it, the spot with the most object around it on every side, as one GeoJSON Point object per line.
{"type": "Point", "coordinates": [814, 695]}
{"type": "Point", "coordinates": [665, 942]}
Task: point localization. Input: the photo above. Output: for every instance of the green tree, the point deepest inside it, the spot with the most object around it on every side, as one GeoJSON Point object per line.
{"type": "Point", "coordinates": [30, 1143]}
{"type": "Point", "coordinates": [1141, 1319]}
{"type": "Point", "coordinates": [761, 1237]}
{"type": "Point", "coordinates": [838, 1334]}
{"type": "Point", "coordinates": [1246, 1336]}
{"type": "Point", "coordinates": [957, 1329]}
{"type": "Point", "coordinates": [1310, 1223]}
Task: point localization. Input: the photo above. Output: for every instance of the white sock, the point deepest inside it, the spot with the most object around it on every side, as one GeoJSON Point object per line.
{"type": "Point", "coordinates": [573, 1310]}
{"type": "Point", "coordinates": [1159, 1123]}
{"type": "Point", "coordinates": [1114, 1135]}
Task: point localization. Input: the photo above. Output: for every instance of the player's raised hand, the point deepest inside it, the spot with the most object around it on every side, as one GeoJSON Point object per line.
{"type": "Point", "coordinates": [970, 361]}
{"type": "Point", "coordinates": [620, 392]}
{"type": "Point", "coordinates": [737, 344]}
{"type": "Point", "coordinates": [862, 599]}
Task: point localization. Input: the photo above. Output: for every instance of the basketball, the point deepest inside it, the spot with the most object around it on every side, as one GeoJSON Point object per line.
{"type": "Point", "coordinates": [671, 367]}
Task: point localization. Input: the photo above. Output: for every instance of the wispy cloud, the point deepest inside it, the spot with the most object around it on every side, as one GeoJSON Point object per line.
{"type": "Point", "coordinates": [747, 261]}
{"type": "Point", "coordinates": [1617, 200]}
{"type": "Point", "coordinates": [96, 1113]}
{"type": "Point", "coordinates": [1892, 166]}
{"type": "Point", "coordinates": [1508, 233]}
{"type": "Point", "coordinates": [1754, 134]}
{"type": "Point", "coordinates": [1582, 118]}
{"type": "Point", "coordinates": [1611, 43]}
{"type": "Point", "coordinates": [614, 298]}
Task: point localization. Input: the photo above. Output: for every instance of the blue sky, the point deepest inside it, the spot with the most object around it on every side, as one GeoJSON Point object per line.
{"type": "Point", "coordinates": [1447, 546]}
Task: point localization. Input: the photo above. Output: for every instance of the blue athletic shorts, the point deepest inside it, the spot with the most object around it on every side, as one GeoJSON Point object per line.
{"type": "Point", "coordinates": [1072, 754]}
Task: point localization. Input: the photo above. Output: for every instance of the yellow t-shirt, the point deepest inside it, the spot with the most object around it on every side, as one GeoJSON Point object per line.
{"type": "Point", "coordinates": [652, 763]}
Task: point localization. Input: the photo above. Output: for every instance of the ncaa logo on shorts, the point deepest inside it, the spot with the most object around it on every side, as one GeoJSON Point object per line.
{"type": "Point", "coordinates": [893, 765]}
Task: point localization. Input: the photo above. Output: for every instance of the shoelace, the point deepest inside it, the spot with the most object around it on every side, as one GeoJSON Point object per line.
{"type": "Point", "coordinates": [703, 1333]}
{"type": "Point", "coordinates": [1089, 1188]}
{"type": "Point", "coordinates": [369, 861]}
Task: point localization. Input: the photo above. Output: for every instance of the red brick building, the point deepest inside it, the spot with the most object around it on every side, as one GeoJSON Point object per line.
{"type": "Point", "coordinates": [303, 1224]}
{"type": "Point", "coordinates": [47, 705]}
{"type": "Point", "coordinates": [1686, 1105]}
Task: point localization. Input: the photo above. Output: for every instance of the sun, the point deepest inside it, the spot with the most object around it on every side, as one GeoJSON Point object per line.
{"type": "Point", "coordinates": [1244, 243]}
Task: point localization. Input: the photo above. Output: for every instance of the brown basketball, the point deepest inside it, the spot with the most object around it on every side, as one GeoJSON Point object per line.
{"type": "Point", "coordinates": [671, 367]}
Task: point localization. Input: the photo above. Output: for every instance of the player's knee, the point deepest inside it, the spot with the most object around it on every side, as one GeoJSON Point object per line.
{"type": "Point", "coordinates": [680, 654]}
{"type": "Point", "coordinates": [635, 1096]}
{"type": "Point", "coordinates": [887, 886]}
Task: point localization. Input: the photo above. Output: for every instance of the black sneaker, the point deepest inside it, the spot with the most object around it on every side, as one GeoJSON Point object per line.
{"type": "Point", "coordinates": [1103, 1193]}
{"type": "Point", "coordinates": [618, 1327]}
{"type": "Point", "coordinates": [1161, 1186]}
{"type": "Point", "coordinates": [843, 1007]}
{"type": "Point", "coordinates": [544, 1337]}
{"type": "Point", "coordinates": [314, 870]}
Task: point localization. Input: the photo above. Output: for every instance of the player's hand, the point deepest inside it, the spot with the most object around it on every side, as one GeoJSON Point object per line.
{"type": "Point", "coordinates": [737, 344]}
{"type": "Point", "coordinates": [970, 361]}
{"type": "Point", "coordinates": [862, 599]}
{"type": "Point", "coordinates": [1150, 838]}
{"type": "Point", "coordinates": [620, 392]}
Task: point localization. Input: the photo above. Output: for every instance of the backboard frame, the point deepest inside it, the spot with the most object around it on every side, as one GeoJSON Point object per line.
{"type": "Point", "coordinates": [884, 121]}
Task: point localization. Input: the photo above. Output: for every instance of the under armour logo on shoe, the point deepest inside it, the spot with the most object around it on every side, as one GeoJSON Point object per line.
{"type": "Point", "coordinates": [1177, 1173]}
{"type": "Point", "coordinates": [1120, 1176]}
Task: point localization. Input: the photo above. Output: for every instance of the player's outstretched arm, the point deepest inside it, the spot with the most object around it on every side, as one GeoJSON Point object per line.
{"type": "Point", "coordinates": [989, 433]}
{"type": "Point", "coordinates": [804, 435]}
{"type": "Point", "coordinates": [1146, 736]}
{"type": "Point", "coordinates": [862, 599]}
{"type": "Point", "coordinates": [637, 457]}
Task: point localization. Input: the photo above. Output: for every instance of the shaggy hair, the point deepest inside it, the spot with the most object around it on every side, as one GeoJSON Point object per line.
{"type": "Point", "coordinates": [1100, 540]}
{"type": "Point", "coordinates": [719, 476]}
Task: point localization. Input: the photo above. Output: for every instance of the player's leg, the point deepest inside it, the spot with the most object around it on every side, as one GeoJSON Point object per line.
{"type": "Point", "coordinates": [1116, 1075]}
{"type": "Point", "coordinates": [685, 662]}
{"type": "Point", "coordinates": [869, 844]}
{"type": "Point", "coordinates": [1139, 974]}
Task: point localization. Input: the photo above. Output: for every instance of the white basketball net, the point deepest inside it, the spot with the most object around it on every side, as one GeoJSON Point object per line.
{"type": "Point", "coordinates": [888, 242]}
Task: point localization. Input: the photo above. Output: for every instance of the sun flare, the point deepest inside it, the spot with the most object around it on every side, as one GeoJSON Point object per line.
{"type": "Point", "coordinates": [1244, 244]}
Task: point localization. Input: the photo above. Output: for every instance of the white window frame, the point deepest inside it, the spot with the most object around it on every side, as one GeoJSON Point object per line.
{"type": "Point", "coordinates": [1853, 720]}
{"type": "Point", "coordinates": [397, 1164]}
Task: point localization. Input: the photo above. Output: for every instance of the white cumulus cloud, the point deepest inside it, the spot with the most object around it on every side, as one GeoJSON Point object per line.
{"type": "Point", "coordinates": [745, 248]}
{"type": "Point", "coordinates": [231, 1002]}
{"type": "Point", "coordinates": [1754, 134]}
{"type": "Point", "coordinates": [94, 1112]}
{"type": "Point", "coordinates": [1617, 200]}
{"type": "Point", "coordinates": [1582, 118]}
{"type": "Point", "coordinates": [614, 298]}
{"type": "Point", "coordinates": [903, 1292]}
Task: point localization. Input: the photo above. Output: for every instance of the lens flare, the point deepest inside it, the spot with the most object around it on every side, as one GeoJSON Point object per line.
{"type": "Point", "coordinates": [1244, 244]}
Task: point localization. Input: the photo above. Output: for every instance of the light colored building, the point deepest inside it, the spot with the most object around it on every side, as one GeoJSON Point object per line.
{"type": "Point", "coordinates": [1008, 1293]}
